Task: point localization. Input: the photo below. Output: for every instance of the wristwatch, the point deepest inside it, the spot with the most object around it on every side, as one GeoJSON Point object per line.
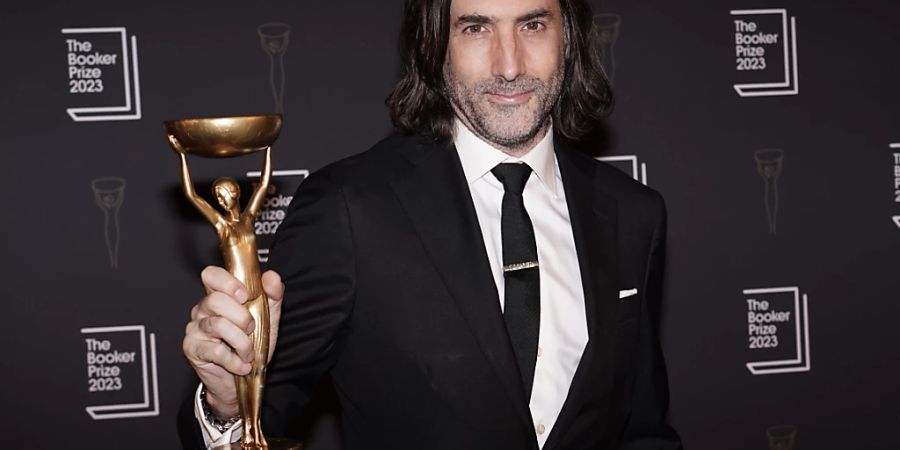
{"type": "Point", "coordinates": [222, 425]}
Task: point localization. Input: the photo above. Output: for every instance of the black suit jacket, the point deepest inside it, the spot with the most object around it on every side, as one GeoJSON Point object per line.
{"type": "Point", "coordinates": [389, 289]}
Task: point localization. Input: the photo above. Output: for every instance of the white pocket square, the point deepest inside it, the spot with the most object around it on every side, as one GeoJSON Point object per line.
{"type": "Point", "coordinates": [627, 293]}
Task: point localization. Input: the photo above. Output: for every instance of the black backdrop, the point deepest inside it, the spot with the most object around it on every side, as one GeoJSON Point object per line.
{"type": "Point", "coordinates": [783, 198]}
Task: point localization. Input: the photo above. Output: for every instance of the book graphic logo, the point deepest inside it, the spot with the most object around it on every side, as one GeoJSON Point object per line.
{"type": "Point", "coordinates": [121, 373]}
{"type": "Point", "coordinates": [274, 209]}
{"type": "Point", "coordinates": [765, 45]}
{"type": "Point", "coordinates": [103, 75]}
{"type": "Point", "coordinates": [778, 330]}
{"type": "Point", "coordinates": [628, 164]}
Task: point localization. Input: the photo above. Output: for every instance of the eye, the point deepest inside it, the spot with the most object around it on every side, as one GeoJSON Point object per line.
{"type": "Point", "coordinates": [534, 25]}
{"type": "Point", "coordinates": [474, 29]}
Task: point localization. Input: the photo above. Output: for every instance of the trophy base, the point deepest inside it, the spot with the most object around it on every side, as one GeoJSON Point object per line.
{"type": "Point", "coordinates": [274, 444]}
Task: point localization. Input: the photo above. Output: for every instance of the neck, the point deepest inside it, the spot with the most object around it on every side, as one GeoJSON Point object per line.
{"type": "Point", "coordinates": [517, 150]}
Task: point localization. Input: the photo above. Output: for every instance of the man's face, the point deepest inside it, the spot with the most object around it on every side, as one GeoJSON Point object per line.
{"type": "Point", "coordinates": [504, 67]}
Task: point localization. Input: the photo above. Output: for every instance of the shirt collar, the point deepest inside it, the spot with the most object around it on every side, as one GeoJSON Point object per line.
{"type": "Point", "coordinates": [478, 157]}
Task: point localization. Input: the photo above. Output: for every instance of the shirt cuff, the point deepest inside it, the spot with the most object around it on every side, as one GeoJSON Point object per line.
{"type": "Point", "coordinates": [211, 436]}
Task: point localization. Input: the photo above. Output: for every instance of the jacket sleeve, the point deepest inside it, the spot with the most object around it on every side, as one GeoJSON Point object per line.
{"type": "Point", "coordinates": [314, 254]}
{"type": "Point", "coordinates": [646, 428]}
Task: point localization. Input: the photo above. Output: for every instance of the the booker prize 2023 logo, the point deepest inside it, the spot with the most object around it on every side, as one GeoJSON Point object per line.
{"type": "Point", "coordinates": [895, 147]}
{"type": "Point", "coordinates": [777, 330]}
{"type": "Point", "coordinates": [274, 209]}
{"type": "Point", "coordinates": [628, 164]}
{"type": "Point", "coordinates": [103, 79]}
{"type": "Point", "coordinates": [765, 50]}
{"type": "Point", "coordinates": [121, 372]}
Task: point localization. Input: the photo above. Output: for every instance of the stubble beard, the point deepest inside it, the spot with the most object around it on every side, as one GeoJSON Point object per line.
{"type": "Point", "coordinates": [507, 127]}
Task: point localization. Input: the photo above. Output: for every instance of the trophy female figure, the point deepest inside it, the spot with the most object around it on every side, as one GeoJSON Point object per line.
{"type": "Point", "coordinates": [227, 137]}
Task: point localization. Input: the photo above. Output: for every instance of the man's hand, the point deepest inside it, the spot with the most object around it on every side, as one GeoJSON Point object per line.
{"type": "Point", "coordinates": [216, 340]}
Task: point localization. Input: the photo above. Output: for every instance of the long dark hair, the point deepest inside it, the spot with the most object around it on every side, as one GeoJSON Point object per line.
{"type": "Point", "coordinates": [418, 103]}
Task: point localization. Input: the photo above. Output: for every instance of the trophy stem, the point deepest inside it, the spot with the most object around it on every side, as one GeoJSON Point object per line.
{"type": "Point", "coordinates": [251, 387]}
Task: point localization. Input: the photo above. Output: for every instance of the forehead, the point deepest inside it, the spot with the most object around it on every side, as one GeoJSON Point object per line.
{"type": "Point", "coordinates": [500, 9]}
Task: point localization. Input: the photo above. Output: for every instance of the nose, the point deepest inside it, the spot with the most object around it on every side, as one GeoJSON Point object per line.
{"type": "Point", "coordinates": [508, 61]}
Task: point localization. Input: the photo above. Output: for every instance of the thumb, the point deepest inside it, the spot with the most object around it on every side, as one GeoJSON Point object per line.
{"type": "Point", "coordinates": [273, 286]}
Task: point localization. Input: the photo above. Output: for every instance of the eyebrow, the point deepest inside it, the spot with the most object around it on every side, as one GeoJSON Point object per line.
{"type": "Point", "coordinates": [536, 14]}
{"type": "Point", "coordinates": [482, 19]}
{"type": "Point", "coordinates": [473, 19]}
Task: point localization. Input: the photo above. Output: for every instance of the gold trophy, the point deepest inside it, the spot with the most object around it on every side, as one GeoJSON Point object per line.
{"type": "Point", "coordinates": [225, 137]}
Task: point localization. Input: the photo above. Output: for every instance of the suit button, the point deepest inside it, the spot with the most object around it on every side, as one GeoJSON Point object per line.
{"type": "Point", "coordinates": [540, 428]}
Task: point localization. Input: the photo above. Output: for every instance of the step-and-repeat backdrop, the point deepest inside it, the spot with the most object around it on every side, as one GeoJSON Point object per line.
{"type": "Point", "coordinates": [771, 128]}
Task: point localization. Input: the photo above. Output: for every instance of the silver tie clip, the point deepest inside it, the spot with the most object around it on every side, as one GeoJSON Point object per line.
{"type": "Point", "coordinates": [520, 266]}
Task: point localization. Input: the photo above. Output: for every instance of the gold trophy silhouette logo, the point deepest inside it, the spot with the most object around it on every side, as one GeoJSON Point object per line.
{"type": "Point", "coordinates": [781, 437]}
{"type": "Point", "coordinates": [769, 163]}
{"type": "Point", "coordinates": [274, 38]}
{"type": "Point", "coordinates": [606, 26]}
{"type": "Point", "coordinates": [225, 137]}
{"type": "Point", "coordinates": [109, 193]}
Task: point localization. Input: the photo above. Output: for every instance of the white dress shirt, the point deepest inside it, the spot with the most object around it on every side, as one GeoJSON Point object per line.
{"type": "Point", "coordinates": [563, 328]}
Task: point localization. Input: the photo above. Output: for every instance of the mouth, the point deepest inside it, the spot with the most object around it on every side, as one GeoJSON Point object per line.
{"type": "Point", "coordinates": [511, 99]}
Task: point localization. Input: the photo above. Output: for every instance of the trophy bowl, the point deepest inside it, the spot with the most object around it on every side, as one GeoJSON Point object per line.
{"type": "Point", "coordinates": [225, 136]}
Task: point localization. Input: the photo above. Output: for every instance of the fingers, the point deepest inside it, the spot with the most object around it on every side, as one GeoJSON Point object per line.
{"type": "Point", "coordinates": [218, 304]}
{"type": "Point", "coordinates": [203, 352]}
{"type": "Point", "coordinates": [217, 279]}
{"type": "Point", "coordinates": [218, 334]}
{"type": "Point", "coordinates": [220, 329]}
{"type": "Point", "coordinates": [217, 340]}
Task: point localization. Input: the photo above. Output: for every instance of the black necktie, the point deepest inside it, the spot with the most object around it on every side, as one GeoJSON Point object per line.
{"type": "Point", "coordinates": [522, 299]}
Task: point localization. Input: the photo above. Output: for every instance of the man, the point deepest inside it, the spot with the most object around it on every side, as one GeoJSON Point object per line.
{"type": "Point", "coordinates": [470, 282]}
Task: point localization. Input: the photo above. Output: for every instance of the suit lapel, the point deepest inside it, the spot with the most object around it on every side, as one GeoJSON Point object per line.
{"type": "Point", "coordinates": [594, 226]}
{"type": "Point", "coordinates": [437, 200]}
